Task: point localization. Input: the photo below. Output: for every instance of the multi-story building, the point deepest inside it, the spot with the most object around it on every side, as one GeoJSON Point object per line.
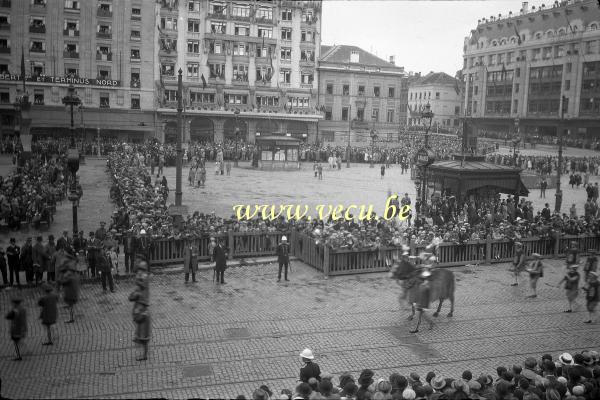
{"type": "Point", "coordinates": [247, 66]}
{"type": "Point", "coordinates": [520, 69]}
{"type": "Point", "coordinates": [360, 93]}
{"type": "Point", "coordinates": [97, 46]}
{"type": "Point", "coordinates": [442, 92]}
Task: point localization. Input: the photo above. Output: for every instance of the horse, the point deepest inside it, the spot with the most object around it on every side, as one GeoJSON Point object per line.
{"type": "Point", "coordinates": [442, 285]}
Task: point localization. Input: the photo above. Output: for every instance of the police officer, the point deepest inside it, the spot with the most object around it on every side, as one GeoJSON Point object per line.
{"type": "Point", "coordinates": [283, 257]}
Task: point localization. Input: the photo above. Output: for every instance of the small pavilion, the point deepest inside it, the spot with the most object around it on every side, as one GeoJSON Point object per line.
{"type": "Point", "coordinates": [277, 152]}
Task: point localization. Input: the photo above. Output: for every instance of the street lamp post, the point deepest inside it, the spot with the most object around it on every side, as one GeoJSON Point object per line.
{"type": "Point", "coordinates": [71, 100]}
{"type": "Point", "coordinates": [236, 113]}
{"type": "Point", "coordinates": [373, 138]}
{"type": "Point", "coordinates": [558, 195]}
{"type": "Point", "coordinates": [179, 150]}
{"type": "Point", "coordinates": [349, 132]}
{"type": "Point", "coordinates": [426, 114]}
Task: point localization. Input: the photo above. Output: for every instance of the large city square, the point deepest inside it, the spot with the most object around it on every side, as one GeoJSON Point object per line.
{"type": "Point", "coordinates": [365, 200]}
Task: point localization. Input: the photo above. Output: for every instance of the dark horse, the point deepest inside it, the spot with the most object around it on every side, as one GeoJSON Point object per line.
{"type": "Point", "coordinates": [442, 284]}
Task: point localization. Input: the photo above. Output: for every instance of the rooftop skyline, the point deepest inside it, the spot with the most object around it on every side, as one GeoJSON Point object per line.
{"type": "Point", "coordinates": [423, 36]}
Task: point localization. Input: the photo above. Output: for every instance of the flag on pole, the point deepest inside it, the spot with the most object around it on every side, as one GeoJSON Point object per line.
{"type": "Point", "coordinates": [519, 41]}
{"type": "Point", "coordinates": [569, 23]}
{"type": "Point", "coordinates": [323, 109]}
{"type": "Point", "coordinates": [23, 67]}
{"type": "Point", "coordinates": [203, 81]}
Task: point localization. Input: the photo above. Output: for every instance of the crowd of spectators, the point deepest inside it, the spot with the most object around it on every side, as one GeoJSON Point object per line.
{"type": "Point", "coordinates": [546, 165]}
{"type": "Point", "coordinates": [563, 377]}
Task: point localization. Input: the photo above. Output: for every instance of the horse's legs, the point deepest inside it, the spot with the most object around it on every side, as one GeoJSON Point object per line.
{"type": "Point", "coordinates": [435, 314]}
{"type": "Point", "coordinates": [451, 306]}
{"type": "Point", "coordinates": [411, 316]}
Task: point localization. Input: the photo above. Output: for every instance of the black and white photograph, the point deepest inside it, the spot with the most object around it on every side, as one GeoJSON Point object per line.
{"type": "Point", "coordinates": [300, 200]}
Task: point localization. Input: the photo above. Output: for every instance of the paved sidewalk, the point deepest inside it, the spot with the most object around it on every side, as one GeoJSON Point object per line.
{"type": "Point", "coordinates": [214, 340]}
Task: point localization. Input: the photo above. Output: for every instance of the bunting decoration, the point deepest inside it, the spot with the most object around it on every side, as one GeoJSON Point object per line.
{"type": "Point", "coordinates": [569, 23]}
{"type": "Point", "coordinates": [519, 41]}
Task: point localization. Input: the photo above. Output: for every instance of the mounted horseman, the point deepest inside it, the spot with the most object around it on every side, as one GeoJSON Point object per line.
{"type": "Point", "coordinates": [421, 282]}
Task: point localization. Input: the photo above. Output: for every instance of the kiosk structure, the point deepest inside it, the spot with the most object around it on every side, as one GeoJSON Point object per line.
{"type": "Point", "coordinates": [277, 152]}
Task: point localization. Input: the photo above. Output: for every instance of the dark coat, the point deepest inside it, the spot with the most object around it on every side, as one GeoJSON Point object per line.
{"type": "Point", "coordinates": [13, 255]}
{"type": "Point", "coordinates": [27, 257]}
{"type": "Point", "coordinates": [190, 258]}
{"type": "Point", "coordinates": [129, 244]}
{"type": "Point", "coordinates": [18, 322]}
{"type": "Point", "coordinates": [50, 250]}
{"type": "Point", "coordinates": [102, 263]}
{"type": "Point", "coordinates": [310, 370]}
{"type": "Point", "coordinates": [38, 255]}
{"type": "Point", "coordinates": [79, 244]}
{"type": "Point", "coordinates": [49, 304]}
{"type": "Point", "coordinates": [63, 243]}
{"type": "Point", "coordinates": [70, 282]}
{"type": "Point", "coordinates": [283, 253]}
{"type": "Point", "coordinates": [220, 257]}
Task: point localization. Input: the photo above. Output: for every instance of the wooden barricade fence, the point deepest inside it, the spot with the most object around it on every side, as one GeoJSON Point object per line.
{"type": "Point", "coordinates": [240, 244]}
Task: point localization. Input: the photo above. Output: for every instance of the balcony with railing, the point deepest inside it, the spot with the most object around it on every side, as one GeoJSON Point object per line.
{"type": "Point", "coordinates": [241, 18]}
{"type": "Point", "coordinates": [5, 3]}
{"type": "Point", "coordinates": [169, 4]}
{"type": "Point", "coordinates": [37, 28]}
{"type": "Point", "coordinates": [104, 13]}
{"type": "Point", "coordinates": [70, 54]}
{"type": "Point", "coordinates": [4, 50]}
{"type": "Point", "coordinates": [264, 20]}
{"type": "Point", "coordinates": [4, 26]}
{"type": "Point", "coordinates": [218, 15]}
{"type": "Point", "coordinates": [71, 32]}
{"type": "Point", "coordinates": [103, 56]}
{"type": "Point", "coordinates": [104, 35]}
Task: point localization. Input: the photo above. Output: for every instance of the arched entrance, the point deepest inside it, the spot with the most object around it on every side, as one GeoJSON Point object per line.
{"type": "Point", "coordinates": [171, 132]}
{"type": "Point", "coordinates": [267, 127]}
{"type": "Point", "coordinates": [229, 129]}
{"type": "Point", "coordinates": [298, 129]}
{"type": "Point", "coordinates": [202, 130]}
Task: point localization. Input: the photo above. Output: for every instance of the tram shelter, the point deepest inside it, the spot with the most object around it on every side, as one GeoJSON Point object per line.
{"type": "Point", "coordinates": [277, 152]}
{"type": "Point", "coordinates": [469, 177]}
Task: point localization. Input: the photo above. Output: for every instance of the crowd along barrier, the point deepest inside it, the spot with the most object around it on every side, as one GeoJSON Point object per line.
{"type": "Point", "coordinates": [239, 244]}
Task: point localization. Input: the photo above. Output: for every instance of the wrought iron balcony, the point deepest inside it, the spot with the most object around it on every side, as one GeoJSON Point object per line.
{"type": "Point", "coordinates": [70, 54]}
{"type": "Point", "coordinates": [4, 50]}
{"type": "Point", "coordinates": [37, 29]}
{"type": "Point", "coordinates": [4, 26]}
{"type": "Point", "coordinates": [104, 35]}
{"type": "Point", "coordinates": [70, 32]}
{"type": "Point", "coordinates": [103, 56]}
{"type": "Point", "coordinates": [104, 13]}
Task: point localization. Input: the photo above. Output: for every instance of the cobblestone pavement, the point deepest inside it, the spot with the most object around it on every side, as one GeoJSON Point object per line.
{"type": "Point", "coordinates": [222, 341]}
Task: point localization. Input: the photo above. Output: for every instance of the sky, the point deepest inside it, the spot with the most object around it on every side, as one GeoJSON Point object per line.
{"type": "Point", "coordinates": [424, 35]}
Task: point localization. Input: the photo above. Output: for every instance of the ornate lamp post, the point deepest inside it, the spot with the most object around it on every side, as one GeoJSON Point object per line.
{"type": "Point", "coordinates": [236, 114]}
{"type": "Point", "coordinates": [71, 100]}
{"type": "Point", "coordinates": [425, 155]}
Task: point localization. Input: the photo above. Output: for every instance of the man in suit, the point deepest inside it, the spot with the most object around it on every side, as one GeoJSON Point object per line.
{"type": "Point", "coordinates": [39, 260]}
{"type": "Point", "coordinates": [93, 250]}
{"type": "Point", "coordinates": [129, 246]}
{"type": "Point", "coordinates": [27, 260]}
{"type": "Point", "coordinates": [13, 253]}
{"type": "Point", "coordinates": [64, 243]}
{"type": "Point", "coordinates": [101, 232]}
{"type": "Point", "coordinates": [104, 268]}
{"type": "Point", "coordinates": [220, 257]}
{"type": "Point", "coordinates": [79, 243]}
{"type": "Point", "coordinates": [283, 257]}
{"type": "Point", "coordinates": [144, 245]}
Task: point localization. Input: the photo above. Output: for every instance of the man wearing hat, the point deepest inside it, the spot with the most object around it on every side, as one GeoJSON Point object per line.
{"type": "Point", "coordinates": [283, 257]}
{"type": "Point", "coordinates": [13, 254]}
{"type": "Point", "coordinates": [49, 304]}
{"type": "Point", "coordinates": [423, 299]}
{"type": "Point", "coordinates": [40, 259]}
{"type": "Point", "coordinates": [190, 260]}
{"type": "Point", "coordinates": [66, 264]}
{"type": "Point", "coordinates": [94, 246]}
{"type": "Point", "coordinates": [310, 369]}
{"type": "Point", "coordinates": [571, 280]}
{"type": "Point", "coordinates": [220, 259]}
{"type": "Point", "coordinates": [129, 249]}
{"type": "Point", "coordinates": [64, 242]}
{"type": "Point", "coordinates": [101, 232]}
{"type": "Point", "coordinates": [536, 271]}
{"type": "Point", "coordinates": [18, 324]}
{"type": "Point", "coordinates": [518, 262]}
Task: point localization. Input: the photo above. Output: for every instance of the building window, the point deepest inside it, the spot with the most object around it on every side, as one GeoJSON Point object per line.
{"type": "Point", "coordinates": [104, 100]}
{"type": "Point", "coordinates": [515, 106]}
{"type": "Point", "coordinates": [286, 33]}
{"type": "Point", "coordinates": [286, 53]}
{"type": "Point", "coordinates": [307, 55]}
{"type": "Point", "coordinates": [286, 14]}
{"type": "Point", "coordinates": [202, 97]}
{"type": "Point", "coordinates": [567, 85]}
{"type": "Point", "coordinates": [217, 70]}
{"type": "Point", "coordinates": [169, 23]}
{"type": "Point", "coordinates": [569, 66]}
{"type": "Point", "coordinates": [240, 49]}
{"type": "Point", "coordinates": [265, 31]}
{"type": "Point", "coordinates": [360, 114]}
{"type": "Point", "coordinates": [390, 116]}
{"type": "Point", "coordinates": [306, 36]}
{"type": "Point", "coordinates": [437, 95]}
{"type": "Point", "coordinates": [5, 97]}
{"type": "Point", "coordinates": [264, 13]}
{"type": "Point", "coordinates": [269, 101]}
{"type": "Point", "coordinates": [327, 115]}
{"type": "Point", "coordinates": [194, 5]}
{"type": "Point", "coordinates": [71, 28]}
{"type": "Point", "coordinates": [375, 115]}
{"type": "Point", "coordinates": [241, 30]}
{"type": "Point", "coordinates": [391, 92]}
{"type": "Point", "coordinates": [376, 92]}
{"type": "Point", "coordinates": [217, 27]}
{"type": "Point", "coordinates": [193, 46]}
{"type": "Point", "coordinates": [240, 73]}
{"type": "Point", "coordinates": [516, 88]}
{"type": "Point", "coordinates": [136, 14]}
{"type": "Point", "coordinates": [235, 98]}
{"type": "Point", "coordinates": [72, 5]}
{"type": "Point", "coordinates": [456, 110]}
{"type": "Point", "coordinates": [135, 78]}
{"type": "Point", "coordinates": [193, 25]}
{"type": "Point", "coordinates": [170, 95]}
{"type": "Point", "coordinates": [240, 11]}
{"type": "Point", "coordinates": [218, 9]}
{"type": "Point", "coordinates": [38, 68]}
{"type": "Point", "coordinates": [285, 76]}
{"type": "Point", "coordinates": [264, 73]}
{"type": "Point", "coordinates": [38, 97]}
{"type": "Point", "coordinates": [136, 35]}
{"type": "Point", "coordinates": [517, 72]}
{"type": "Point", "coordinates": [329, 88]}
{"type": "Point", "coordinates": [135, 55]}
{"type": "Point", "coordinates": [135, 101]}
{"type": "Point", "coordinates": [167, 69]}
{"type": "Point", "coordinates": [307, 78]}
{"type": "Point", "coordinates": [37, 46]}
{"type": "Point", "coordinates": [104, 73]}
{"type": "Point", "coordinates": [216, 48]}
{"type": "Point", "coordinates": [361, 90]}
{"type": "Point", "coordinates": [346, 90]}
{"type": "Point", "coordinates": [192, 70]}
{"type": "Point", "coordinates": [344, 113]}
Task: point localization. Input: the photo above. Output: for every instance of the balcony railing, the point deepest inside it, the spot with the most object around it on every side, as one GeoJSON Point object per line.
{"type": "Point", "coordinates": [217, 15]}
{"type": "Point", "coordinates": [103, 56]}
{"type": "Point", "coordinates": [4, 26]}
{"type": "Point", "coordinates": [104, 13]}
{"type": "Point", "coordinates": [37, 50]}
{"type": "Point", "coordinates": [306, 85]}
{"type": "Point", "coordinates": [104, 105]}
{"type": "Point", "coordinates": [70, 32]}
{"type": "Point", "coordinates": [37, 29]}
{"type": "Point", "coordinates": [70, 54]}
{"type": "Point", "coordinates": [38, 102]}
{"type": "Point", "coordinates": [5, 4]}
{"type": "Point", "coordinates": [104, 35]}
{"type": "Point", "coordinates": [4, 50]}
{"type": "Point", "coordinates": [264, 20]}
{"type": "Point", "coordinates": [240, 18]}
{"type": "Point", "coordinates": [136, 17]}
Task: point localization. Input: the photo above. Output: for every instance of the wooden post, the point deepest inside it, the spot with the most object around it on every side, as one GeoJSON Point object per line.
{"type": "Point", "coordinates": [488, 250]}
{"type": "Point", "coordinates": [326, 261]}
{"type": "Point", "coordinates": [230, 244]}
{"type": "Point", "coordinates": [557, 244]}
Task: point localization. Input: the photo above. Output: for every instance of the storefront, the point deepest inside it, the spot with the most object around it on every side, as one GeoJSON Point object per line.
{"type": "Point", "coordinates": [277, 152]}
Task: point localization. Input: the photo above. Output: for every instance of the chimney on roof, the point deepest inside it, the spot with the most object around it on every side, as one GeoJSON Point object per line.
{"type": "Point", "coordinates": [354, 56]}
{"type": "Point", "coordinates": [392, 60]}
{"type": "Point", "coordinates": [525, 7]}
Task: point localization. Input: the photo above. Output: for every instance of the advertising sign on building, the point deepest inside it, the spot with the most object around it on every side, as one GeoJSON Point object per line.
{"type": "Point", "coordinates": [62, 80]}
